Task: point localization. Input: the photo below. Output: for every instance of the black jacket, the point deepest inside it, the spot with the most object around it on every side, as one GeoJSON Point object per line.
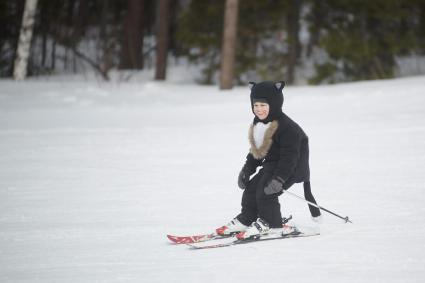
{"type": "Point", "coordinates": [286, 155]}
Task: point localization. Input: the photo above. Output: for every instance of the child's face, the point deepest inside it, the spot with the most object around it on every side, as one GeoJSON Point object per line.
{"type": "Point", "coordinates": [261, 110]}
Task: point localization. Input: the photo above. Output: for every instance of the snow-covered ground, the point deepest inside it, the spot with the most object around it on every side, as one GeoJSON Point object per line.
{"type": "Point", "coordinates": [94, 175]}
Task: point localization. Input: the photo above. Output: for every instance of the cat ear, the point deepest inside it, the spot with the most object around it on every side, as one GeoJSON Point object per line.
{"type": "Point", "coordinates": [251, 85]}
{"type": "Point", "coordinates": [279, 85]}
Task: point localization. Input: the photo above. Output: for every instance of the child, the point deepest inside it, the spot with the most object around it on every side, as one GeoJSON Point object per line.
{"type": "Point", "coordinates": [280, 148]}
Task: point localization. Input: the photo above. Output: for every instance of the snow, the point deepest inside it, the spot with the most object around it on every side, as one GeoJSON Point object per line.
{"type": "Point", "coordinates": [94, 175]}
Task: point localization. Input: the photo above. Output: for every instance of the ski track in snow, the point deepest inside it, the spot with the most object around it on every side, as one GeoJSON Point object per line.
{"type": "Point", "coordinates": [93, 176]}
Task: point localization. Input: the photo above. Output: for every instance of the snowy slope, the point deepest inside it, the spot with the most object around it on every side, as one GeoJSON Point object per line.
{"type": "Point", "coordinates": [93, 176]}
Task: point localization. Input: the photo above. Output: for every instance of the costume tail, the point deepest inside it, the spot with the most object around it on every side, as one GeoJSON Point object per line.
{"type": "Point", "coordinates": [309, 197]}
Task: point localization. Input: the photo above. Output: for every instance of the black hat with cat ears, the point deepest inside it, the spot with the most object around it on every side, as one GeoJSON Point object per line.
{"type": "Point", "coordinates": [269, 92]}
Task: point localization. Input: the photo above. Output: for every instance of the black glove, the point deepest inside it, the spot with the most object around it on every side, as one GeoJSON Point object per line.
{"type": "Point", "coordinates": [243, 179]}
{"type": "Point", "coordinates": [274, 186]}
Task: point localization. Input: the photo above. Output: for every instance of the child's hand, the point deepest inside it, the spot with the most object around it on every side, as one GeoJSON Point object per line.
{"type": "Point", "coordinates": [274, 186]}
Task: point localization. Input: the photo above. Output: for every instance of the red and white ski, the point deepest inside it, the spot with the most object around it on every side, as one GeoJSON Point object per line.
{"type": "Point", "coordinates": [220, 243]}
{"type": "Point", "coordinates": [195, 239]}
{"type": "Point", "coordinates": [220, 240]}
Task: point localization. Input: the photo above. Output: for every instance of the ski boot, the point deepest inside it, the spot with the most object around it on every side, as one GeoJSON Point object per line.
{"type": "Point", "coordinates": [233, 227]}
{"type": "Point", "coordinates": [255, 230]}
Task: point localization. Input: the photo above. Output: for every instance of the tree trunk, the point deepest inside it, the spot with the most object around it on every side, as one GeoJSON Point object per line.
{"type": "Point", "coordinates": [294, 51]}
{"type": "Point", "coordinates": [132, 42]}
{"type": "Point", "coordinates": [229, 44]}
{"type": "Point", "coordinates": [318, 13]}
{"type": "Point", "coordinates": [53, 55]}
{"type": "Point", "coordinates": [44, 50]}
{"type": "Point", "coordinates": [162, 40]}
{"type": "Point", "coordinates": [105, 63]}
{"type": "Point", "coordinates": [24, 44]}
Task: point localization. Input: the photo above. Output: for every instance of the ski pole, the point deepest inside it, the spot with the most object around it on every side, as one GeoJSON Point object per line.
{"type": "Point", "coordinates": [346, 219]}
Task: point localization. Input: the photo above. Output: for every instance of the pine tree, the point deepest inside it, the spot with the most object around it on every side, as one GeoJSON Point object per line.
{"type": "Point", "coordinates": [363, 38]}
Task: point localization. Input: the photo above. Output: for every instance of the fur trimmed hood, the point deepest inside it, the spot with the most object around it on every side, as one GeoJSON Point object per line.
{"type": "Point", "coordinates": [261, 152]}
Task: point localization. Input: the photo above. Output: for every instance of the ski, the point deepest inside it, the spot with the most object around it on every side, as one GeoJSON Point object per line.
{"type": "Point", "coordinates": [196, 239]}
{"type": "Point", "coordinates": [232, 241]}
{"type": "Point", "coordinates": [193, 239]}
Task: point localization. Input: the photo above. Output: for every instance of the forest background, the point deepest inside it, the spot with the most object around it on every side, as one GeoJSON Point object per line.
{"type": "Point", "coordinates": [299, 41]}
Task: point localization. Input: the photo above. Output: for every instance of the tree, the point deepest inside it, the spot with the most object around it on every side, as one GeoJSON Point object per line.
{"type": "Point", "coordinates": [199, 33]}
{"type": "Point", "coordinates": [24, 44]}
{"type": "Point", "coordinates": [294, 45]}
{"type": "Point", "coordinates": [362, 38]}
{"type": "Point", "coordinates": [132, 42]}
{"type": "Point", "coordinates": [260, 33]}
{"type": "Point", "coordinates": [229, 44]}
{"type": "Point", "coordinates": [162, 40]}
